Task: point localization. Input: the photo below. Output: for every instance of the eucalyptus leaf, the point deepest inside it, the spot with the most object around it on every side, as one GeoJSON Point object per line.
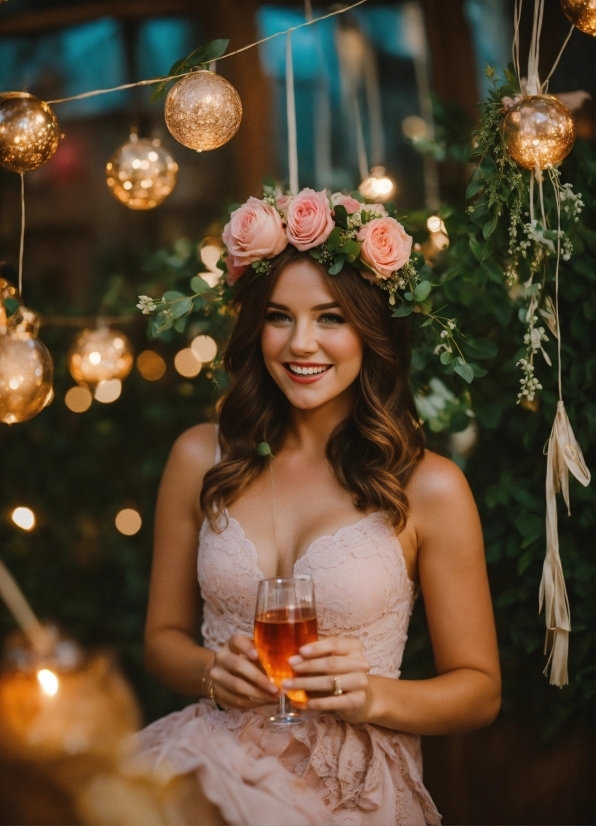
{"type": "Point", "coordinates": [215, 49]}
{"type": "Point", "coordinates": [182, 307]}
{"type": "Point", "coordinates": [465, 371]}
{"type": "Point", "coordinates": [199, 285]}
{"type": "Point", "coordinates": [340, 216]}
{"type": "Point", "coordinates": [172, 295]}
{"type": "Point", "coordinates": [180, 324]}
{"type": "Point", "coordinates": [491, 225]}
{"type": "Point", "coordinates": [427, 323]}
{"type": "Point", "coordinates": [422, 290]}
{"type": "Point", "coordinates": [334, 239]}
{"type": "Point", "coordinates": [402, 311]}
{"type": "Point", "coordinates": [474, 187]}
{"type": "Point", "coordinates": [446, 357]}
{"type": "Point", "coordinates": [350, 248]}
{"type": "Point", "coordinates": [337, 265]}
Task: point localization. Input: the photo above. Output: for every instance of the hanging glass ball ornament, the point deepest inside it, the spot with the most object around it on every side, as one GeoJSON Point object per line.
{"type": "Point", "coordinates": [141, 173]}
{"type": "Point", "coordinates": [100, 355]}
{"type": "Point", "coordinates": [378, 187]}
{"type": "Point", "coordinates": [203, 110]}
{"type": "Point", "coordinates": [29, 131]}
{"type": "Point", "coordinates": [538, 131]}
{"type": "Point", "coordinates": [582, 14]}
{"type": "Point", "coordinates": [26, 369]}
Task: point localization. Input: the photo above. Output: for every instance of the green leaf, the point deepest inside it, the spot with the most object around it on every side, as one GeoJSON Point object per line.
{"type": "Point", "coordinates": [422, 290]}
{"type": "Point", "coordinates": [476, 247]}
{"type": "Point", "coordinates": [180, 324]}
{"type": "Point", "coordinates": [340, 216]}
{"type": "Point", "coordinates": [334, 239]}
{"type": "Point", "coordinates": [466, 371]}
{"type": "Point", "coordinates": [182, 307]}
{"type": "Point", "coordinates": [215, 49]}
{"type": "Point", "coordinates": [350, 248]}
{"type": "Point", "coordinates": [337, 265]}
{"type": "Point", "coordinates": [428, 322]}
{"type": "Point", "coordinates": [417, 259]}
{"type": "Point", "coordinates": [157, 93]}
{"type": "Point", "coordinates": [446, 357]}
{"type": "Point", "coordinates": [172, 295]}
{"type": "Point", "coordinates": [268, 183]}
{"type": "Point", "coordinates": [474, 188]}
{"type": "Point", "coordinates": [199, 285]}
{"type": "Point", "coordinates": [177, 66]}
{"type": "Point", "coordinates": [402, 311]}
{"type": "Point", "coordinates": [357, 196]}
{"type": "Point", "coordinates": [315, 253]}
{"type": "Point", "coordinates": [491, 225]}
{"type": "Point", "coordinates": [531, 527]}
{"type": "Point", "coordinates": [264, 450]}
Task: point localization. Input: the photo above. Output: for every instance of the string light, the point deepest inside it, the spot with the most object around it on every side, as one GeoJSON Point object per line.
{"type": "Point", "coordinates": [23, 518]}
{"type": "Point", "coordinates": [128, 521]}
{"type": "Point", "coordinates": [78, 399]}
{"type": "Point", "coordinates": [378, 187]}
{"type": "Point", "coordinates": [108, 391]}
{"type": "Point", "coordinates": [48, 681]}
{"type": "Point", "coordinates": [141, 173]}
{"type": "Point", "coordinates": [204, 348]}
{"type": "Point", "coordinates": [210, 254]}
{"type": "Point", "coordinates": [150, 365]}
{"type": "Point", "coordinates": [187, 364]}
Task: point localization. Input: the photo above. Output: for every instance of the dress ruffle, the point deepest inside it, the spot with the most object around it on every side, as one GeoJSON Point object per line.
{"type": "Point", "coordinates": [322, 771]}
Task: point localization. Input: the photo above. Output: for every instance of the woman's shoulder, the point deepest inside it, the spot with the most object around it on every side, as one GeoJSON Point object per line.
{"type": "Point", "coordinates": [194, 451]}
{"type": "Point", "coordinates": [437, 481]}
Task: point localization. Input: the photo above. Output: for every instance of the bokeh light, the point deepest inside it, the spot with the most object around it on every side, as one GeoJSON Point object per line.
{"type": "Point", "coordinates": [378, 187]}
{"type": "Point", "coordinates": [78, 399]}
{"type": "Point", "coordinates": [204, 348]}
{"type": "Point", "coordinates": [23, 518]}
{"type": "Point", "coordinates": [48, 681]}
{"type": "Point", "coordinates": [150, 365]}
{"type": "Point", "coordinates": [187, 364]}
{"type": "Point", "coordinates": [128, 521]}
{"type": "Point", "coordinates": [414, 127]}
{"type": "Point", "coordinates": [108, 391]}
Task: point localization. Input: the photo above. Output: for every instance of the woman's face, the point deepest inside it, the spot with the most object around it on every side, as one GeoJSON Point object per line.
{"type": "Point", "coordinates": [311, 351]}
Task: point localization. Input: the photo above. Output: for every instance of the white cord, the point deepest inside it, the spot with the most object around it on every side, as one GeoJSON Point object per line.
{"type": "Point", "coordinates": [291, 114]}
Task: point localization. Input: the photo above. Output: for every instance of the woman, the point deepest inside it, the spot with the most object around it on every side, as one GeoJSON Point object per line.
{"type": "Point", "coordinates": [319, 370]}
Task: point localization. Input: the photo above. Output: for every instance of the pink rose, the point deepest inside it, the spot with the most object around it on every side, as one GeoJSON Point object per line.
{"type": "Point", "coordinates": [309, 219]}
{"type": "Point", "coordinates": [234, 272]}
{"type": "Point", "coordinates": [282, 201]}
{"type": "Point", "coordinates": [386, 246]}
{"type": "Point", "coordinates": [351, 204]}
{"type": "Point", "coordinates": [254, 231]}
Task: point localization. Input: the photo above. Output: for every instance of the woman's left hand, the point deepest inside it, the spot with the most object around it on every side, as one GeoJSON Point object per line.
{"type": "Point", "coordinates": [336, 670]}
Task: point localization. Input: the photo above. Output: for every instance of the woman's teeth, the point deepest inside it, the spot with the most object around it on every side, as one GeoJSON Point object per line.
{"type": "Point", "coordinates": [307, 371]}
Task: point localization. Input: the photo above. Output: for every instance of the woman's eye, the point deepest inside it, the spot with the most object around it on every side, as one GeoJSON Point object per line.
{"type": "Point", "coordinates": [332, 318]}
{"type": "Point", "coordinates": [276, 316]}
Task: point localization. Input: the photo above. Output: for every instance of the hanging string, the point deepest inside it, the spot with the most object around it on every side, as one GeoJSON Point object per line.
{"type": "Point", "coordinates": [533, 86]}
{"type": "Point", "coordinates": [515, 46]}
{"type": "Point", "coordinates": [556, 63]}
{"type": "Point", "coordinates": [22, 244]}
{"type": "Point", "coordinates": [555, 185]}
{"type": "Point", "coordinates": [308, 10]}
{"type": "Point", "coordinates": [154, 80]}
{"type": "Point", "coordinates": [360, 145]}
{"type": "Point", "coordinates": [291, 114]}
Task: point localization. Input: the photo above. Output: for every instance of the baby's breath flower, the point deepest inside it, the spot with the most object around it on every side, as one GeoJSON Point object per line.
{"type": "Point", "coordinates": [147, 305]}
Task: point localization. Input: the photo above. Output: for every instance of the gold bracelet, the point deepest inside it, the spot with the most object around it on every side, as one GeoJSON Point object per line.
{"type": "Point", "coordinates": [214, 698]}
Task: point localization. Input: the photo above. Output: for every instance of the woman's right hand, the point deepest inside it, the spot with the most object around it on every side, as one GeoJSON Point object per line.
{"type": "Point", "coordinates": [237, 677]}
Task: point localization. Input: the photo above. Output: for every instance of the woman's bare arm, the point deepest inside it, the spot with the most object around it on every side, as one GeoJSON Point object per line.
{"type": "Point", "coordinates": [452, 572]}
{"type": "Point", "coordinates": [171, 652]}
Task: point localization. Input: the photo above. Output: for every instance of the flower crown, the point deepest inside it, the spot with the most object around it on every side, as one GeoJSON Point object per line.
{"type": "Point", "coordinates": [334, 229]}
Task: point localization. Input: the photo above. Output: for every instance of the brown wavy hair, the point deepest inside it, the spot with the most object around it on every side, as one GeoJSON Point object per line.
{"type": "Point", "coordinates": [373, 452]}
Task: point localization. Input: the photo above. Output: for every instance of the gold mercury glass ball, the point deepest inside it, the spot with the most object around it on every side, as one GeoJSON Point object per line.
{"type": "Point", "coordinates": [538, 130]}
{"type": "Point", "coordinates": [582, 14]}
{"type": "Point", "coordinates": [100, 355]}
{"type": "Point", "coordinates": [29, 131]}
{"type": "Point", "coordinates": [26, 369]}
{"type": "Point", "coordinates": [141, 173]}
{"type": "Point", "coordinates": [203, 111]}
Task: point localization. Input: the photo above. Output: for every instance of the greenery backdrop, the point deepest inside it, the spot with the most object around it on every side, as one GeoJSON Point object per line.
{"type": "Point", "coordinates": [76, 471]}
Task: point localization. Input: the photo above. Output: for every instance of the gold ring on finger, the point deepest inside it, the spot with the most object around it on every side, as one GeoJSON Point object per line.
{"type": "Point", "coordinates": [337, 689]}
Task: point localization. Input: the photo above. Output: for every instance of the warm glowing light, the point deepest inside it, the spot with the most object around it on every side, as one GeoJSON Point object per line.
{"type": "Point", "coordinates": [187, 364]}
{"type": "Point", "coordinates": [204, 348]}
{"type": "Point", "coordinates": [210, 255]}
{"type": "Point", "coordinates": [434, 223]}
{"type": "Point", "coordinates": [48, 681]}
{"type": "Point", "coordinates": [23, 518]}
{"type": "Point", "coordinates": [78, 399]}
{"type": "Point", "coordinates": [378, 187]}
{"type": "Point", "coordinates": [128, 521]}
{"type": "Point", "coordinates": [95, 357]}
{"type": "Point", "coordinates": [108, 391]}
{"type": "Point", "coordinates": [414, 127]}
{"type": "Point", "coordinates": [150, 365]}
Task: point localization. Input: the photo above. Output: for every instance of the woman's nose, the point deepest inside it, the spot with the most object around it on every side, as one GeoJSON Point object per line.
{"type": "Point", "coordinates": [303, 339]}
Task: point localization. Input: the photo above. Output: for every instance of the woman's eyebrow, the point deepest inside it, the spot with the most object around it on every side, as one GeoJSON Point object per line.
{"type": "Point", "coordinates": [328, 306]}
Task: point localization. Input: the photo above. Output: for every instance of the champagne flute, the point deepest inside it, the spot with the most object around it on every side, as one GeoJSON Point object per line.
{"type": "Point", "coordinates": [285, 620]}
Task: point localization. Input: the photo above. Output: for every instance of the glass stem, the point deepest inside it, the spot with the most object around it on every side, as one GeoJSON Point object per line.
{"type": "Point", "coordinates": [283, 704]}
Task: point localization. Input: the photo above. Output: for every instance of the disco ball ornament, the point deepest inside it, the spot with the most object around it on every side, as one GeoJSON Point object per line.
{"type": "Point", "coordinates": [203, 111]}
{"type": "Point", "coordinates": [100, 355]}
{"type": "Point", "coordinates": [29, 131]}
{"type": "Point", "coordinates": [26, 369]}
{"type": "Point", "coordinates": [582, 14]}
{"type": "Point", "coordinates": [141, 173]}
{"type": "Point", "coordinates": [378, 187]}
{"type": "Point", "coordinates": [538, 131]}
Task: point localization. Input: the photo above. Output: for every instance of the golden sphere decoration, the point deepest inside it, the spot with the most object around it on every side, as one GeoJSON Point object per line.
{"type": "Point", "coordinates": [538, 130]}
{"type": "Point", "coordinates": [582, 13]}
{"type": "Point", "coordinates": [141, 173]}
{"type": "Point", "coordinates": [26, 369]}
{"type": "Point", "coordinates": [203, 111]}
{"type": "Point", "coordinates": [29, 131]}
{"type": "Point", "coordinates": [100, 355]}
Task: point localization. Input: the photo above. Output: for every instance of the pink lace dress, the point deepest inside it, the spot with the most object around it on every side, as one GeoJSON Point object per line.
{"type": "Point", "coordinates": [324, 770]}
